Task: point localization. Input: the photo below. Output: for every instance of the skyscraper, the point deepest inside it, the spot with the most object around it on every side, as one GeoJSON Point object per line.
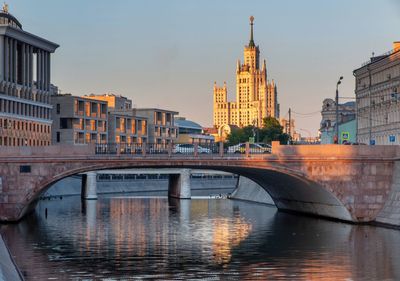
{"type": "Point", "coordinates": [256, 97]}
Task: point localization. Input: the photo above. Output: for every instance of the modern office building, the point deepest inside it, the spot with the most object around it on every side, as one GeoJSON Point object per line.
{"type": "Point", "coordinates": [191, 132]}
{"type": "Point", "coordinates": [78, 120]}
{"type": "Point", "coordinates": [256, 97]}
{"type": "Point", "coordinates": [161, 124]}
{"type": "Point", "coordinates": [25, 88]}
{"type": "Point", "coordinates": [377, 92]}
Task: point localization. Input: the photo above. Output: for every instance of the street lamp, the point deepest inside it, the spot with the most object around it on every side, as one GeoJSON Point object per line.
{"type": "Point", "coordinates": [337, 109]}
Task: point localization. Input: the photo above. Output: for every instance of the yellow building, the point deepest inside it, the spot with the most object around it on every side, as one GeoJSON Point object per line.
{"type": "Point", "coordinates": [256, 98]}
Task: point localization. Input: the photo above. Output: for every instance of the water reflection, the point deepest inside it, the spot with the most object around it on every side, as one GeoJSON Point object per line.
{"type": "Point", "coordinates": [157, 238]}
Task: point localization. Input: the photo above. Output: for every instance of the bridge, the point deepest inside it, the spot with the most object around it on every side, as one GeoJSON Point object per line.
{"type": "Point", "coordinates": [351, 183]}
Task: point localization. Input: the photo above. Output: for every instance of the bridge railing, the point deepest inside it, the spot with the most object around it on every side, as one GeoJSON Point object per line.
{"type": "Point", "coordinates": [180, 149]}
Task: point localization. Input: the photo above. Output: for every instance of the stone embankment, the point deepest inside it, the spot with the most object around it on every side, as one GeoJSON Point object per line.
{"type": "Point", "coordinates": [8, 269]}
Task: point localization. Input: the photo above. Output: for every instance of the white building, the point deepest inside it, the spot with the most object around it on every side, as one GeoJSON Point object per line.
{"type": "Point", "coordinates": [378, 99]}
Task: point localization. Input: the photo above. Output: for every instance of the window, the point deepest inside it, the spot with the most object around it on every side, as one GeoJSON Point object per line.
{"type": "Point", "coordinates": [58, 108]}
{"type": "Point", "coordinates": [58, 136]}
{"type": "Point", "coordinates": [24, 169]}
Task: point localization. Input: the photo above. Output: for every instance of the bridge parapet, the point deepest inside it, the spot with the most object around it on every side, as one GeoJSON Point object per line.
{"type": "Point", "coordinates": [334, 150]}
{"type": "Point", "coordinates": [48, 151]}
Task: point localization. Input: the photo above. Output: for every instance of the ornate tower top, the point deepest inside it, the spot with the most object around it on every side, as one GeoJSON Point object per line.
{"type": "Point", "coordinates": [251, 43]}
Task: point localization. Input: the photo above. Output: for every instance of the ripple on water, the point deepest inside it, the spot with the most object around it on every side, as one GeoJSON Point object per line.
{"type": "Point", "coordinates": [201, 239]}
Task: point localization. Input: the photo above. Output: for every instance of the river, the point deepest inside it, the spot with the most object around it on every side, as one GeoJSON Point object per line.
{"type": "Point", "coordinates": [154, 238]}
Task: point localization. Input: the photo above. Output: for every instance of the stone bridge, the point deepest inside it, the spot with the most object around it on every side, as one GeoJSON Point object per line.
{"type": "Point", "coordinates": [351, 183]}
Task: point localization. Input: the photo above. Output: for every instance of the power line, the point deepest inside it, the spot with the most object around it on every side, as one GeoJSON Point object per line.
{"type": "Point", "coordinates": [304, 114]}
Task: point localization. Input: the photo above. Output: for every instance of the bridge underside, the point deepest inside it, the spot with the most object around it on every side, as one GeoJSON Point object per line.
{"type": "Point", "coordinates": [297, 194]}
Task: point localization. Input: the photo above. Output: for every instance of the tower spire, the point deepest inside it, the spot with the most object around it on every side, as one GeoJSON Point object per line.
{"type": "Point", "coordinates": [251, 44]}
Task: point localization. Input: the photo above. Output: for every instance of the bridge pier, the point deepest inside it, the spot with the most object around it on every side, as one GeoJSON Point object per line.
{"type": "Point", "coordinates": [89, 186]}
{"type": "Point", "coordinates": [179, 185]}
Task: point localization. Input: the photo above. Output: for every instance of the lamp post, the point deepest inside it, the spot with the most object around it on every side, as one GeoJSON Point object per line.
{"type": "Point", "coordinates": [337, 109]}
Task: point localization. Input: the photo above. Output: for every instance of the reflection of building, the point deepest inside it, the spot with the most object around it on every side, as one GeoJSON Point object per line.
{"type": "Point", "coordinates": [25, 89]}
{"type": "Point", "coordinates": [161, 125]}
{"type": "Point", "coordinates": [347, 123]}
{"type": "Point", "coordinates": [191, 132]}
{"type": "Point", "coordinates": [256, 98]}
{"type": "Point", "coordinates": [378, 99]}
{"type": "Point", "coordinates": [78, 120]}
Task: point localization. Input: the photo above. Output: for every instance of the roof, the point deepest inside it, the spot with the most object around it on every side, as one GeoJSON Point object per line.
{"type": "Point", "coordinates": [156, 109]}
{"type": "Point", "coordinates": [187, 124]}
{"type": "Point", "coordinates": [11, 18]}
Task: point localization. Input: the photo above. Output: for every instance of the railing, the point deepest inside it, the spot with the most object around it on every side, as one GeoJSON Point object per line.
{"type": "Point", "coordinates": [182, 150]}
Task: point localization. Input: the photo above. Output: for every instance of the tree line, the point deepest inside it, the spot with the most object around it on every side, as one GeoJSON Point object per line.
{"type": "Point", "coordinates": [270, 131]}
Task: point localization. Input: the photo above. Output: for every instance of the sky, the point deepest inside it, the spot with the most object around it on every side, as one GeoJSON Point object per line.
{"type": "Point", "coordinates": [168, 54]}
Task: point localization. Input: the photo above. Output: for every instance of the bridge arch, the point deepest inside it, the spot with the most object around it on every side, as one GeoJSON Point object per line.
{"type": "Point", "coordinates": [290, 189]}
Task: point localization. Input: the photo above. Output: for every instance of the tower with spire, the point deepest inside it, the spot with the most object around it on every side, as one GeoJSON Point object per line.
{"type": "Point", "coordinates": [256, 98]}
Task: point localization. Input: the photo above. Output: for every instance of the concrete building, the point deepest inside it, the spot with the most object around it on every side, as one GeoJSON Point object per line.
{"type": "Point", "coordinates": [161, 124]}
{"type": "Point", "coordinates": [126, 128]}
{"type": "Point", "coordinates": [25, 108]}
{"type": "Point", "coordinates": [347, 113]}
{"type": "Point", "coordinates": [78, 120]}
{"type": "Point", "coordinates": [191, 132]}
{"type": "Point", "coordinates": [256, 98]}
{"type": "Point", "coordinates": [378, 100]}
{"type": "Point", "coordinates": [114, 102]}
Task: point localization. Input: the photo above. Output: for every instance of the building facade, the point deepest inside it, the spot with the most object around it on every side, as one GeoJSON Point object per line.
{"type": "Point", "coordinates": [377, 92]}
{"type": "Point", "coordinates": [114, 102]}
{"type": "Point", "coordinates": [126, 128]}
{"type": "Point", "coordinates": [161, 125]}
{"type": "Point", "coordinates": [289, 128]}
{"type": "Point", "coordinates": [191, 132]}
{"type": "Point", "coordinates": [78, 120]}
{"type": "Point", "coordinates": [25, 88]}
{"type": "Point", "coordinates": [256, 98]}
{"type": "Point", "coordinates": [346, 113]}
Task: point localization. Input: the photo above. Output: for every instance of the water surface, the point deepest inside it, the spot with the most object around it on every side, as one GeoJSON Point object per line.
{"type": "Point", "coordinates": [136, 238]}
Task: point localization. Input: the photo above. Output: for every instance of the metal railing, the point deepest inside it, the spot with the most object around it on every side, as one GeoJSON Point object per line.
{"type": "Point", "coordinates": [182, 149]}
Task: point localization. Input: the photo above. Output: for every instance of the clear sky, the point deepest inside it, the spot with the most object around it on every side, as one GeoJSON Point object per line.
{"type": "Point", "coordinates": [169, 53]}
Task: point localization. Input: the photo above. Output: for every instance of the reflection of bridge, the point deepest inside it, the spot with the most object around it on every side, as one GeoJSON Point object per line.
{"type": "Point", "coordinates": [354, 183]}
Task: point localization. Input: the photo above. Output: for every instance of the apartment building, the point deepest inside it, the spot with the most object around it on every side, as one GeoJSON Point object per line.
{"type": "Point", "coordinates": [79, 120]}
{"type": "Point", "coordinates": [161, 124]}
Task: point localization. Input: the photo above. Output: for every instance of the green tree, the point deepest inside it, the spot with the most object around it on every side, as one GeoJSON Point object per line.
{"type": "Point", "coordinates": [240, 135]}
{"type": "Point", "coordinates": [272, 131]}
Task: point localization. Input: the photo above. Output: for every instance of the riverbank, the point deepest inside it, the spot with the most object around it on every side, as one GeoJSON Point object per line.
{"type": "Point", "coordinates": [8, 269]}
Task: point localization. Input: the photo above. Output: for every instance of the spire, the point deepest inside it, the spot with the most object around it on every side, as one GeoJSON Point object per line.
{"type": "Point", "coordinates": [251, 44]}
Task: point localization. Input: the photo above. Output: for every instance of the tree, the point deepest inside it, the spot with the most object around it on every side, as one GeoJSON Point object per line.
{"type": "Point", "coordinates": [273, 131]}
{"type": "Point", "coordinates": [270, 131]}
{"type": "Point", "coordinates": [240, 135]}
